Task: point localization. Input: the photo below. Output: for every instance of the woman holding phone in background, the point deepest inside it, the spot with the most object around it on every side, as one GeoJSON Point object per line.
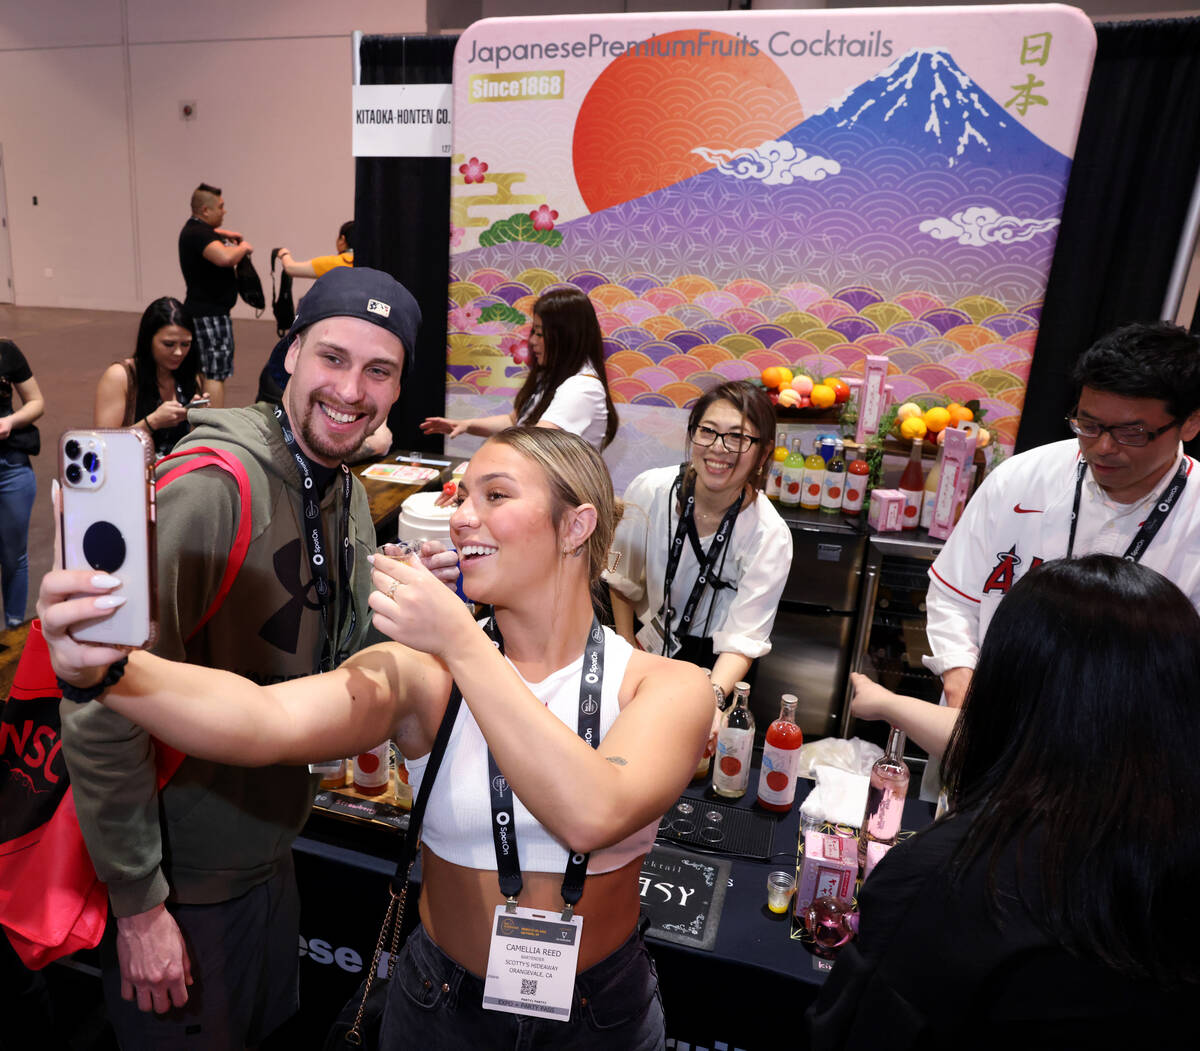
{"type": "Point", "coordinates": [155, 388]}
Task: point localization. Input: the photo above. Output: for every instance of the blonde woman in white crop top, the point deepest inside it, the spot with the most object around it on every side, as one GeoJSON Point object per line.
{"type": "Point", "coordinates": [533, 526]}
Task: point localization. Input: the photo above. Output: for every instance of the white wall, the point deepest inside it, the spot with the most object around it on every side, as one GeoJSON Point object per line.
{"type": "Point", "coordinates": [90, 125]}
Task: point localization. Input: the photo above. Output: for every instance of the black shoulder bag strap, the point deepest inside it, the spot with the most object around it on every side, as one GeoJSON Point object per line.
{"type": "Point", "coordinates": [370, 1007]}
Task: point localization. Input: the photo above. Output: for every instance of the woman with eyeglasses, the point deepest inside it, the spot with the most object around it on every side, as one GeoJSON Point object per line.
{"type": "Point", "coordinates": [699, 561]}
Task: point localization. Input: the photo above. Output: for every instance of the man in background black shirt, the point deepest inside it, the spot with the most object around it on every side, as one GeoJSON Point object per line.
{"type": "Point", "coordinates": [207, 257]}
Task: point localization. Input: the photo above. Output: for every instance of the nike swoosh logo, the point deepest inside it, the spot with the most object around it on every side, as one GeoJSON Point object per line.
{"type": "Point", "coordinates": [1027, 510]}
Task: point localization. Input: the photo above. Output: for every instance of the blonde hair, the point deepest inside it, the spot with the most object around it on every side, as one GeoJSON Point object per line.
{"type": "Point", "coordinates": [576, 475]}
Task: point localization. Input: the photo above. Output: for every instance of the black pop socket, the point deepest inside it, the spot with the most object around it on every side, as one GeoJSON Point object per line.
{"type": "Point", "coordinates": [104, 547]}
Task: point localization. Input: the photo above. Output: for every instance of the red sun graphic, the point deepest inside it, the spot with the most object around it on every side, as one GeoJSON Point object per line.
{"type": "Point", "coordinates": [646, 112]}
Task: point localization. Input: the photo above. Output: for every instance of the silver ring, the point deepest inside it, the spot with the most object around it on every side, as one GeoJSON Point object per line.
{"type": "Point", "coordinates": [392, 590]}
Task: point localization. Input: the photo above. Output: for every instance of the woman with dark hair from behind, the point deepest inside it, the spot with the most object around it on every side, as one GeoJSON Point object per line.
{"type": "Point", "coordinates": [566, 386]}
{"type": "Point", "coordinates": [1056, 901]}
{"type": "Point", "coordinates": [155, 388]}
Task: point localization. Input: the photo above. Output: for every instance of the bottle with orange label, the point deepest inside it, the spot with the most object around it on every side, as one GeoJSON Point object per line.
{"type": "Point", "coordinates": [780, 759]}
{"type": "Point", "coordinates": [813, 479]}
{"type": "Point", "coordinates": [792, 476]}
{"type": "Point", "coordinates": [372, 770]}
{"type": "Point", "coordinates": [857, 472]}
{"type": "Point", "coordinates": [775, 476]}
{"type": "Point", "coordinates": [912, 485]}
{"type": "Point", "coordinates": [834, 481]}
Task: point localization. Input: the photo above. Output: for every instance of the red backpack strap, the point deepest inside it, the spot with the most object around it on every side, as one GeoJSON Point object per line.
{"type": "Point", "coordinates": [204, 456]}
{"type": "Point", "coordinates": [167, 759]}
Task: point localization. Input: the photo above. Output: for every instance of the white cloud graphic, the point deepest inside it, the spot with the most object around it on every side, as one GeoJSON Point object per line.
{"type": "Point", "coordinates": [774, 163]}
{"type": "Point", "coordinates": [978, 226]}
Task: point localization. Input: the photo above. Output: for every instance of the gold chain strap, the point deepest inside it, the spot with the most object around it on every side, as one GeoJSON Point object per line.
{"type": "Point", "coordinates": [394, 919]}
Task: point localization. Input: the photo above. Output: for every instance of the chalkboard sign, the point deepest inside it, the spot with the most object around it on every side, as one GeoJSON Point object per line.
{"type": "Point", "coordinates": [683, 894]}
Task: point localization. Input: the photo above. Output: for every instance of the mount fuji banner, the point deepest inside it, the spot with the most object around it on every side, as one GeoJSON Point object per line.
{"type": "Point", "coordinates": [746, 189]}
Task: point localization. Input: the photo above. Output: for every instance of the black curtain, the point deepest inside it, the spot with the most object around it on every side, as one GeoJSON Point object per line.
{"type": "Point", "coordinates": [402, 226]}
{"type": "Point", "coordinates": [1134, 172]}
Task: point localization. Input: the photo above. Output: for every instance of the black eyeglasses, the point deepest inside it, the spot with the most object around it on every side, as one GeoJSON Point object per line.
{"type": "Point", "coordinates": [1122, 433]}
{"type": "Point", "coordinates": [734, 441]}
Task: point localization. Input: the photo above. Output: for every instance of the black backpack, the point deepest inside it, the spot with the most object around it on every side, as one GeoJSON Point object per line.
{"type": "Point", "coordinates": [281, 301]}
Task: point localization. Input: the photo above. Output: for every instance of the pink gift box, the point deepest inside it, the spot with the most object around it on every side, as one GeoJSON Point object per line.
{"type": "Point", "coordinates": [829, 870]}
{"type": "Point", "coordinates": [887, 510]}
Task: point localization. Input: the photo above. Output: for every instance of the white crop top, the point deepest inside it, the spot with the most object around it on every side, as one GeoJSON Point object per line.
{"type": "Point", "coordinates": [458, 819]}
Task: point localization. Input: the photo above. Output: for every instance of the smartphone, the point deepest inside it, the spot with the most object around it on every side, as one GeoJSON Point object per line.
{"type": "Point", "coordinates": [107, 525]}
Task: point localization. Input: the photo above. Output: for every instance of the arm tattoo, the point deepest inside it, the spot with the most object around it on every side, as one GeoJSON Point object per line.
{"type": "Point", "coordinates": [616, 760]}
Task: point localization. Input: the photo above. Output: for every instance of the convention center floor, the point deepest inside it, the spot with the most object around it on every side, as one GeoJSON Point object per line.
{"type": "Point", "coordinates": [67, 351]}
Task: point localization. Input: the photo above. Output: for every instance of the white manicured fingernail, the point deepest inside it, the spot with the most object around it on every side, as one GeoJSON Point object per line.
{"type": "Point", "coordinates": [53, 490]}
{"type": "Point", "coordinates": [371, 559]}
{"type": "Point", "coordinates": [109, 601]}
{"type": "Point", "coordinates": [103, 580]}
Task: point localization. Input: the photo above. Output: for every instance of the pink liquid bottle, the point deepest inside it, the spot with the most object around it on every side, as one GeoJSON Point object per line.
{"type": "Point", "coordinates": [885, 797]}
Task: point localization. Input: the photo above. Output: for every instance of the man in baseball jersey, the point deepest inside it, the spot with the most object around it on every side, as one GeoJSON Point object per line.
{"type": "Point", "coordinates": [1123, 486]}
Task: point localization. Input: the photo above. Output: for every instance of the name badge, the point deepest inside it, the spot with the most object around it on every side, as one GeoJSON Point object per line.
{"type": "Point", "coordinates": [531, 963]}
{"type": "Point", "coordinates": [650, 637]}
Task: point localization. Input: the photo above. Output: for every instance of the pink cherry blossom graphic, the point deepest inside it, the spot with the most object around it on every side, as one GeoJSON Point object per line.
{"type": "Point", "coordinates": [543, 218]}
{"type": "Point", "coordinates": [456, 235]}
{"type": "Point", "coordinates": [473, 170]}
{"type": "Point", "coordinates": [462, 319]}
{"type": "Point", "coordinates": [517, 346]}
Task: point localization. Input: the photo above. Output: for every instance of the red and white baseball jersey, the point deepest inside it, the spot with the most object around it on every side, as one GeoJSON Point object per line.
{"type": "Point", "coordinates": [1021, 517]}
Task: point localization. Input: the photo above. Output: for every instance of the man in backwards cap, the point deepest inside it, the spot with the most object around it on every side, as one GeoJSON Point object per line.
{"type": "Point", "coordinates": [200, 878]}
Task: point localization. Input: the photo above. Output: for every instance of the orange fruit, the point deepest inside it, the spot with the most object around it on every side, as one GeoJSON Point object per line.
{"type": "Point", "coordinates": [840, 387]}
{"type": "Point", "coordinates": [913, 427]}
{"type": "Point", "coordinates": [822, 397]}
{"type": "Point", "coordinates": [770, 376]}
{"type": "Point", "coordinates": [936, 419]}
{"type": "Point", "coordinates": [959, 414]}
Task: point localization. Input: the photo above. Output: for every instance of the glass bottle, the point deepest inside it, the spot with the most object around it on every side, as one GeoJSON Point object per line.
{"type": "Point", "coordinates": [856, 486]}
{"type": "Point", "coordinates": [775, 475]}
{"type": "Point", "coordinates": [885, 797]}
{"type": "Point", "coordinates": [813, 478]}
{"type": "Point", "coordinates": [912, 485]}
{"type": "Point", "coordinates": [931, 487]}
{"type": "Point", "coordinates": [372, 770]}
{"type": "Point", "coordinates": [735, 742]}
{"type": "Point", "coordinates": [780, 759]}
{"type": "Point", "coordinates": [834, 481]}
{"type": "Point", "coordinates": [792, 476]}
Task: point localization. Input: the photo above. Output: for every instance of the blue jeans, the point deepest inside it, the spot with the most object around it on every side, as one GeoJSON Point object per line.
{"type": "Point", "coordinates": [17, 489]}
{"type": "Point", "coordinates": [433, 1002]}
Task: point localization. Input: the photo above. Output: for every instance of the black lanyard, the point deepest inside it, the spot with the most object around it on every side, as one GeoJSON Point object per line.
{"type": "Point", "coordinates": [504, 827]}
{"type": "Point", "coordinates": [686, 527]}
{"type": "Point", "coordinates": [1154, 519]}
{"type": "Point", "coordinates": [313, 532]}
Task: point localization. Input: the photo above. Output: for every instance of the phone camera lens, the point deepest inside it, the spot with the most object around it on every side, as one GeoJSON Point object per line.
{"type": "Point", "coordinates": [72, 449]}
{"type": "Point", "coordinates": [74, 474]}
{"type": "Point", "coordinates": [91, 463]}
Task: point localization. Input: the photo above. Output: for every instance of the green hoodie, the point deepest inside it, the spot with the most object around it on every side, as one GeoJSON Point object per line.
{"type": "Point", "coordinates": [216, 831]}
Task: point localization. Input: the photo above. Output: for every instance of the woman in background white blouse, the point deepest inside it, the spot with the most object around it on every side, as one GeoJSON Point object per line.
{"type": "Point", "coordinates": [724, 621]}
{"type": "Point", "coordinates": [566, 386]}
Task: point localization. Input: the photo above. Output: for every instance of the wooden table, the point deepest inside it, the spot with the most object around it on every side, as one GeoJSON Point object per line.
{"type": "Point", "coordinates": [386, 498]}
